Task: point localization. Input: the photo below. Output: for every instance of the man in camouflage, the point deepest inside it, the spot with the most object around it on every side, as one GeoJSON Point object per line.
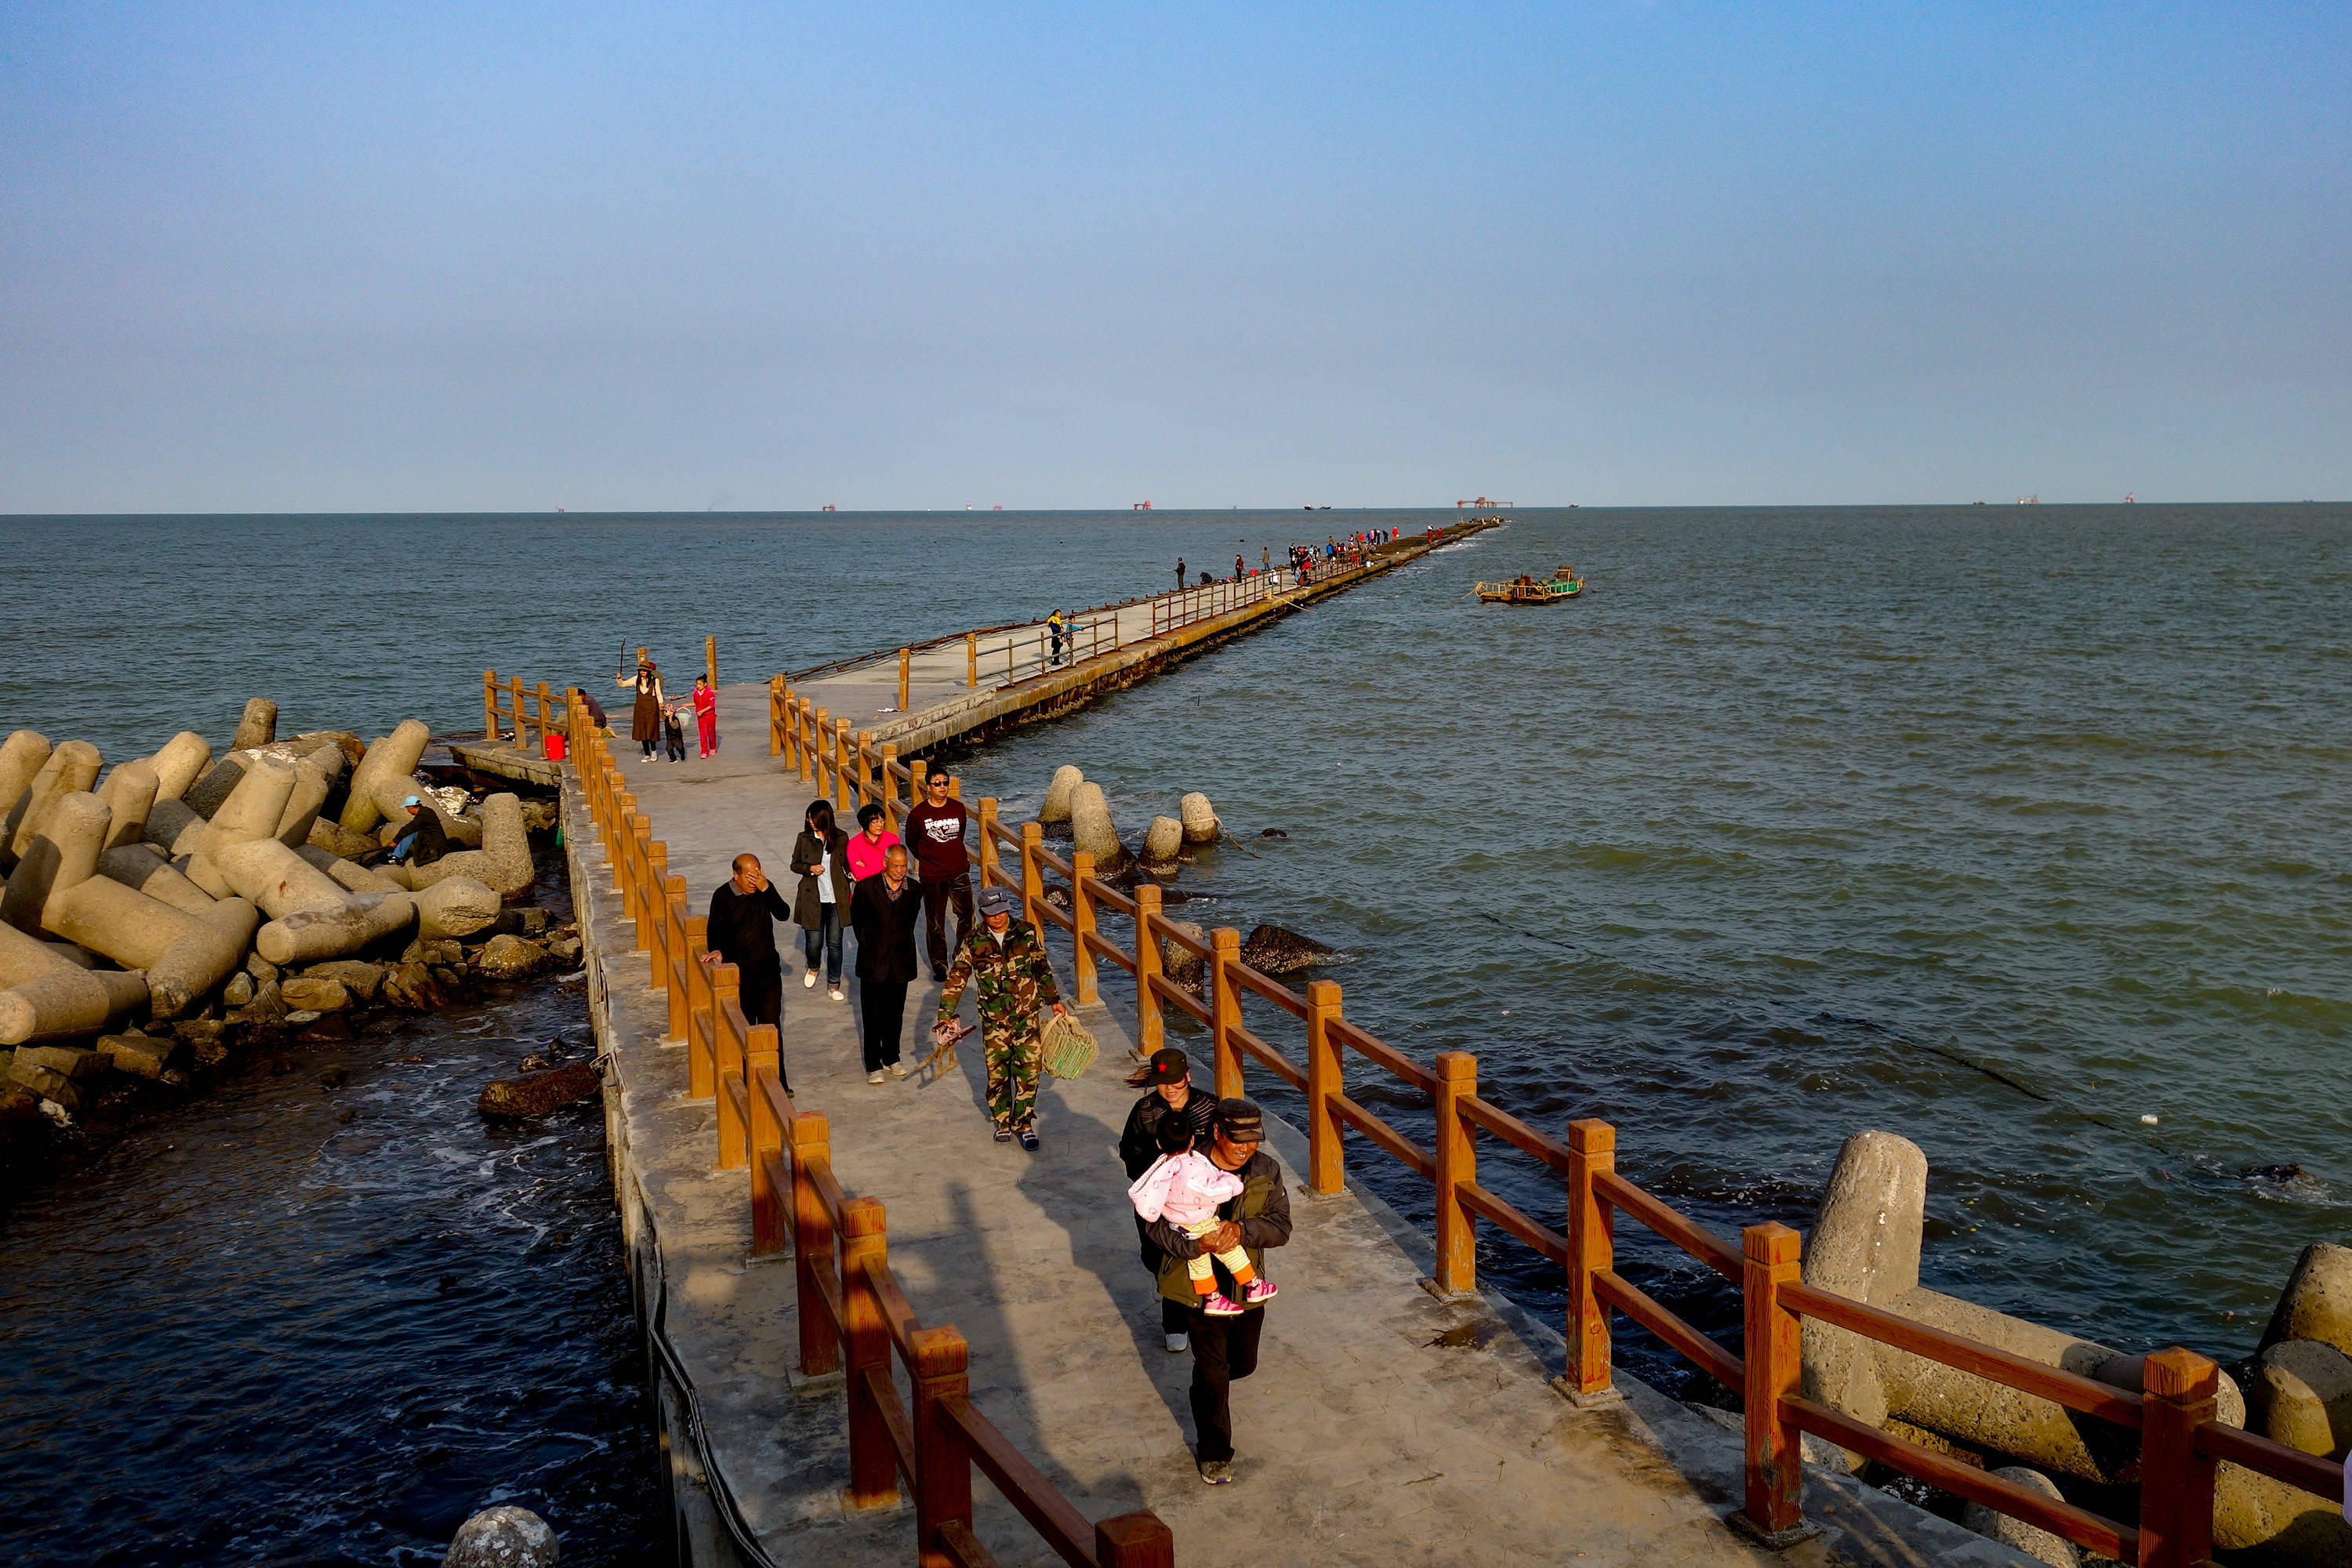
{"type": "Point", "coordinates": [1006, 962]}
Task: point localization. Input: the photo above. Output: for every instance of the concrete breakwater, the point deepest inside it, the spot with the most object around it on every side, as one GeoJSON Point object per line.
{"type": "Point", "coordinates": [164, 911]}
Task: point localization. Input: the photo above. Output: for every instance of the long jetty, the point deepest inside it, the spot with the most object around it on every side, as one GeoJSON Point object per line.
{"type": "Point", "coordinates": [857, 1301]}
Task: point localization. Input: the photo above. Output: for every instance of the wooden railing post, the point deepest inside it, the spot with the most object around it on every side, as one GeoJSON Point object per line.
{"type": "Point", "coordinates": [844, 800]}
{"type": "Point", "coordinates": [701, 1018]}
{"type": "Point", "coordinates": [1134, 1541]}
{"type": "Point", "coordinates": [865, 744]}
{"type": "Point", "coordinates": [990, 872]}
{"type": "Point", "coordinates": [2179, 1390]}
{"type": "Point", "coordinates": [1591, 1251]}
{"type": "Point", "coordinates": [546, 716]}
{"type": "Point", "coordinates": [676, 962]}
{"type": "Point", "coordinates": [776, 715]}
{"type": "Point", "coordinates": [972, 659]}
{"type": "Point", "coordinates": [942, 1470]}
{"type": "Point", "coordinates": [726, 991]}
{"type": "Point", "coordinates": [873, 1462]}
{"type": "Point", "coordinates": [1225, 1010]}
{"type": "Point", "coordinates": [1150, 1029]}
{"type": "Point", "coordinates": [641, 883]}
{"type": "Point", "coordinates": [1457, 1161]}
{"type": "Point", "coordinates": [1326, 1156]}
{"type": "Point", "coordinates": [490, 706]}
{"type": "Point", "coordinates": [656, 913]}
{"type": "Point", "coordinates": [710, 661]}
{"type": "Point", "coordinates": [1032, 876]}
{"type": "Point", "coordinates": [802, 750]}
{"type": "Point", "coordinates": [821, 727]}
{"type": "Point", "coordinates": [892, 813]}
{"type": "Point", "coordinates": [1774, 1511]}
{"type": "Point", "coordinates": [1082, 917]}
{"type": "Point", "coordinates": [764, 1066]}
{"type": "Point", "coordinates": [905, 674]}
{"type": "Point", "coordinates": [514, 688]}
{"type": "Point", "coordinates": [813, 1262]}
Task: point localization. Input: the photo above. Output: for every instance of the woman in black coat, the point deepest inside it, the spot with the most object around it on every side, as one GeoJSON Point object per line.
{"type": "Point", "coordinates": [821, 906]}
{"type": "Point", "coordinates": [1168, 1079]}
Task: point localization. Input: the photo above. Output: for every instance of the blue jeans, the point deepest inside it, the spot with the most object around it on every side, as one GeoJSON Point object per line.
{"type": "Point", "coordinates": [825, 938]}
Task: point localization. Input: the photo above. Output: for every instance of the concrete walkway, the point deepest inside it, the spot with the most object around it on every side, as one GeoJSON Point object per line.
{"type": "Point", "coordinates": [1384, 1425]}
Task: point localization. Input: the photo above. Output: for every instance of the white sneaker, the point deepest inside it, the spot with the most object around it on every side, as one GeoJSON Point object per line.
{"type": "Point", "coordinates": [894, 1069]}
{"type": "Point", "coordinates": [839, 995]}
{"type": "Point", "coordinates": [808, 981]}
{"type": "Point", "coordinates": [1179, 1343]}
{"type": "Point", "coordinates": [874, 1076]}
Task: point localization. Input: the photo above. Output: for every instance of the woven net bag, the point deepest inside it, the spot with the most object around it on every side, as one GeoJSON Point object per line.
{"type": "Point", "coordinates": [1065, 1046]}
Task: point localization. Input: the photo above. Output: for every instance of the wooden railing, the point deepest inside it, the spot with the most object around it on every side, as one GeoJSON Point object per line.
{"type": "Point", "coordinates": [507, 713]}
{"type": "Point", "coordinates": [853, 1316]}
{"type": "Point", "coordinates": [2174, 1411]}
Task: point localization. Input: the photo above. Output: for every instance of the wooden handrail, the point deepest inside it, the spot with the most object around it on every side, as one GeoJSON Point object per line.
{"type": "Point", "coordinates": [1022, 1485]}
{"type": "Point", "coordinates": [1165, 930]}
{"type": "Point", "coordinates": [1259, 1050]}
{"type": "Point", "coordinates": [1494, 1119]}
{"type": "Point", "coordinates": [1544, 1240]}
{"type": "Point", "coordinates": [1385, 1054]}
{"type": "Point", "coordinates": [1990, 1363]}
{"type": "Point", "coordinates": [1166, 990]}
{"type": "Point", "coordinates": [1414, 1157]}
{"type": "Point", "coordinates": [1103, 948]}
{"type": "Point", "coordinates": [1281, 995]}
{"type": "Point", "coordinates": [1637, 1304]}
{"type": "Point", "coordinates": [1103, 893]}
{"type": "Point", "coordinates": [2314, 1473]}
{"type": "Point", "coordinates": [1707, 1248]}
{"type": "Point", "coordinates": [2085, 1529]}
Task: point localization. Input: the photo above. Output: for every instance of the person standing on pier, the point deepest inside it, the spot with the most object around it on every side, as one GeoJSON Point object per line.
{"type": "Point", "coordinates": [883, 911]}
{"type": "Point", "coordinates": [1179, 573]}
{"type": "Point", "coordinates": [1167, 1081]}
{"type": "Point", "coordinates": [742, 932]}
{"type": "Point", "coordinates": [646, 720]}
{"type": "Point", "coordinates": [872, 841]}
{"type": "Point", "coordinates": [821, 904]}
{"type": "Point", "coordinates": [936, 829]}
{"type": "Point", "coordinates": [1225, 1348]}
{"type": "Point", "coordinates": [1053, 628]}
{"type": "Point", "coordinates": [705, 716]}
{"type": "Point", "coordinates": [1005, 964]}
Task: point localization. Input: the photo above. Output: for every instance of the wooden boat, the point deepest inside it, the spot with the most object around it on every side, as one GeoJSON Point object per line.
{"type": "Point", "coordinates": [1529, 589]}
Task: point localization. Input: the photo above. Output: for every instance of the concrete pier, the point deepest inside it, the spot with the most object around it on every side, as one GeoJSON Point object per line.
{"type": "Point", "coordinates": [1385, 1424]}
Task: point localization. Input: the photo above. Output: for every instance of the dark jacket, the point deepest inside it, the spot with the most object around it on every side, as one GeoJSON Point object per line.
{"type": "Point", "coordinates": [1138, 1145]}
{"type": "Point", "coordinates": [807, 856]}
{"type": "Point", "coordinates": [885, 928]}
{"type": "Point", "coordinates": [742, 927]}
{"type": "Point", "coordinates": [1264, 1210]}
{"type": "Point", "coordinates": [432, 839]}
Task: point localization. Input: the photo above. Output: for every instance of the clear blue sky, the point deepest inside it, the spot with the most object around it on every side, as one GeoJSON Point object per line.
{"type": "Point", "coordinates": [292, 258]}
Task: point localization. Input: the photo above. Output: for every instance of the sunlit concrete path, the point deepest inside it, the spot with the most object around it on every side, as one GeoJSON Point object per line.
{"type": "Point", "coordinates": [1384, 1425]}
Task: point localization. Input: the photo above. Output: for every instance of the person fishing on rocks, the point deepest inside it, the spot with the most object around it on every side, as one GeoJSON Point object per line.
{"type": "Point", "coordinates": [1005, 962]}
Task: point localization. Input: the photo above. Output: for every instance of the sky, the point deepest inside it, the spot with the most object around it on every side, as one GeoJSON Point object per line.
{"type": "Point", "coordinates": [298, 257]}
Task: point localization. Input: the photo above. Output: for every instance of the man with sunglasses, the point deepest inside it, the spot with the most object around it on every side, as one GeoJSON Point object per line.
{"type": "Point", "coordinates": [935, 831]}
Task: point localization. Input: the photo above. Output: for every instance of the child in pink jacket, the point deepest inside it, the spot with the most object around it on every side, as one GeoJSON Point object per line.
{"type": "Point", "coordinates": [1185, 1187]}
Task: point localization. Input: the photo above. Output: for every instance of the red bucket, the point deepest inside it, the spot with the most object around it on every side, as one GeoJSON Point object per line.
{"type": "Point", "coordinates": [554, 747]}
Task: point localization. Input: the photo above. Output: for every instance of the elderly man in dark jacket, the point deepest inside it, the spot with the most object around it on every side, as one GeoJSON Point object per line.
{"type": "Point", "coordinates": [1225, 1348]}
{"type": "Point", "coordinates": [883, 911]}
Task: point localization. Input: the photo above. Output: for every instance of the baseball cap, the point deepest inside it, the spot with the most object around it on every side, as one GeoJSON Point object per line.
{"type": "Point", "coordinates": [996, 900]}
{"type": "Point", "coordinates": [1240, 1120]}
{"type": "Point", "coordinates": [412, 800]}
{"type": "Point", "coordinates": [1168, 1065]}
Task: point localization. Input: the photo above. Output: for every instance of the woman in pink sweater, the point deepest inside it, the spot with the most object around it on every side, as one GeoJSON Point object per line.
{"type": "Point", "coordinates": [875, 841]}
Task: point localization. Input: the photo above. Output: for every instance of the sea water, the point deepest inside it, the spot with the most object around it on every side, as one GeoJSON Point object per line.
{"type": "Point", "coordinates": [2004, 829]}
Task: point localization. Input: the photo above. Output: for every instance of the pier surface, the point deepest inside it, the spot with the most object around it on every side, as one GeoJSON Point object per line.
{"type": "Point", "coordinates": [1384, 1425]}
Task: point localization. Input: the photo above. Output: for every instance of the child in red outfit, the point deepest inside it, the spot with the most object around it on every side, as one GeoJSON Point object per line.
{"type": "Point", "coordinates": [705, 714]}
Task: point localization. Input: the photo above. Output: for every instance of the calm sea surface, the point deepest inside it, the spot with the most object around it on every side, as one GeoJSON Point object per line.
{"type": "Point", "coordinates": [1999, 829]}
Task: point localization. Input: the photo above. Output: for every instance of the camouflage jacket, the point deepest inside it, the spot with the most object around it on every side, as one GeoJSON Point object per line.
{"type": "Point", "coordinates": [1011, 976]}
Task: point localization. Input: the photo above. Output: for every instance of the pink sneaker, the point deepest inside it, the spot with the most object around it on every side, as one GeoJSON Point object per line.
{"type": "Point", "coordinates": [1258, 1290]}
{"type": "Point", "coordinates": [1217, 1304]}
